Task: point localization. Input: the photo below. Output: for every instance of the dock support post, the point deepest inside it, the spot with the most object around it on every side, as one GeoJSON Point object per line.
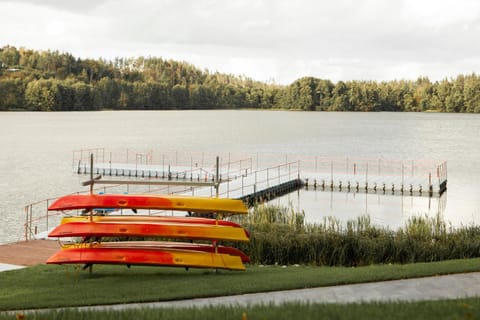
{"type": "Point", "coordinates": [242, 187]}
{"type": "Point", "coordinates": [46, 210]}
{"type": "Point", "coordinates": [430, 186]}
{"type": "Point", "coordinates": [91, 173]}
{"type": "Point", "coordinates": [366, 175]}
{"type": "Point", "coordinates": [268, 182]}
{"type": "Point", "coordinates": [26, 223]}
{"type": "Point", "coordinates": [331, 173]}
{"type": "Point", "coordinates": [217, 181]}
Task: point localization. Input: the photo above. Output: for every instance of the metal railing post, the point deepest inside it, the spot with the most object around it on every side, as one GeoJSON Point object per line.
{"type": "Point", "coordinates": [242, 187]}
{"type": "Point", "coordinates": [268, 182]}
{"type": "Point", "coordinates": [217, 181]}
{"type": "Point", "coordinates": [26, 223]}
{"type": "Point", "coordinates": [47, 214]}
{"type": "Point", "coordinates": [31, 219]}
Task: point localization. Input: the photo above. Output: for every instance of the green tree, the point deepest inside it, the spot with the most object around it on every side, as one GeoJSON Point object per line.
{"type": "Point", "coordinates": [323, 91]}
{"type": "Point", "coordinates": [83, 98]}
{"type": "Point", "coordinates": [455, 101]}
{"type": "Point", "coordinates": [9, 56]}
{"type": "Point", "coordinates": [106, 94]}
{"type": "Point", "coordinates": [471, 93]}
{"type": "Point", "coordinates": [179, 96]}
{"type": "Point", "coordinates": [12, 93]}
{"type": "Point", "coordinates": [340, 98]}
{"type": "Point", "coordinates": [200, 97]}
{"type": "Point", "coordinates": [43, 95]}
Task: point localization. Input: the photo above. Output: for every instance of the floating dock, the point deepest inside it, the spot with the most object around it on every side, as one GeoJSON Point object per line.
{"type": "Point", "coordinates": [393, 177]}
{"type": "Point", "coordinates": [253, 178]}
{"type": "Point", "coordinates": [249, 177]}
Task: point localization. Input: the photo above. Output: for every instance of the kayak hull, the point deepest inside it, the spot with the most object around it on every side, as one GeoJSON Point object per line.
{"type": "Point", "coordinates": [164, 245]}
{"type": "Point", "coordinates": [148, 219]}
{"type": "Point", "coordinates": [148, 201]}
{"type": "Point", "coordinates": [149, 229]}
{"type": "Point", "coordinates": [147, 256]}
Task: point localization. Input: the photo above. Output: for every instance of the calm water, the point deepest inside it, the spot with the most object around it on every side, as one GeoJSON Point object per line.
{"type": "Point", "coordinates": [36, 153]}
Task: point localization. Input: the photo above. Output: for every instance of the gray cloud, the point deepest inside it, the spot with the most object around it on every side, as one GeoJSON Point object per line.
{"type": "Point", "coordinates": [340, 40]}
{"type": "Point", "coordinates": [71, 6]}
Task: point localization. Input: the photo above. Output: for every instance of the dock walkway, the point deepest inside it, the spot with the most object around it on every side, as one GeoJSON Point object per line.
{"type": "Point", "coordinates": [254, 179]}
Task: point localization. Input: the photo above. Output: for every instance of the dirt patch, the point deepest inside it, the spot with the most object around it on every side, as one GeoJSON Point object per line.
{"type": "Point", "coordinates": [28, 253]}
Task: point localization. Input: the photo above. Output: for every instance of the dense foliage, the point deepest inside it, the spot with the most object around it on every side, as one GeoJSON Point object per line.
{"type": "Point", "coordinates": [54, 81]}
{"type": "Point", "coordinates": [280, 236]}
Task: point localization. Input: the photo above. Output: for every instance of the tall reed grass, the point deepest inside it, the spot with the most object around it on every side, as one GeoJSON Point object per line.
{"type": "Point", "coordinates": [279, 235]}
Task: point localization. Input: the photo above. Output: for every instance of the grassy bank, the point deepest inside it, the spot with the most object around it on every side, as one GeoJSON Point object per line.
{"type": "Point", "coordinates": [61, 286]}
{"type": "Point", "coordinates": [280, 235]}
{"type": "Point", "coordinates": [449, 309]}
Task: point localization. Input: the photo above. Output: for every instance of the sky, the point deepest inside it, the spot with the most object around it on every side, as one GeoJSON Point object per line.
{"type": "Point", "coordinates": [267, 40]}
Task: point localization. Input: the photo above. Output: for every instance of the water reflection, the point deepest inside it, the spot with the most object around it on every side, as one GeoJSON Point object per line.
{"type": "Point", "coordinates": [386, 210]}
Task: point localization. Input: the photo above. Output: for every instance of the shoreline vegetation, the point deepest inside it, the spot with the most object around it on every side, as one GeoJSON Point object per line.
{"type": "Point", "coordinates": [33, 80]}
{"type": "Point", "coordinates": [286, 253]}
{"type": "Point", "coordinates": [279, 235]}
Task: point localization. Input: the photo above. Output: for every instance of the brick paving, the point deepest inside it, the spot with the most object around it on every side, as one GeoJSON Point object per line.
{"type": "Point", "coordinates": [28, 253]}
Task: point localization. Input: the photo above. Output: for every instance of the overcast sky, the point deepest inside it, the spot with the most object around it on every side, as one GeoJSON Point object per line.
{"type": "Point", "coordinates": [280, 40]}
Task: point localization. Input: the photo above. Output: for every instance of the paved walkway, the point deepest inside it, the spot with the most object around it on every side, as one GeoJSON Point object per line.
{"type": "Point", "coordinates": [27, 253]}
{"type": "Point", "coordinates": [430, 288]}
{"type": "Point", "coordinates": [8, 267]}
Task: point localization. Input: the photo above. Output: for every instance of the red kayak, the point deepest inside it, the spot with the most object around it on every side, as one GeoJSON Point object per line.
{"type": "Point", "coordinates": [155, 202]}
{"type": "Point", "coordinates": [163, 245]}
{"type": "Point", "coordinates": [148, 219]}
{"type": "Point", "coordinates": [147, 256]}
{"type": "Point", "coordinates": [150, 229]}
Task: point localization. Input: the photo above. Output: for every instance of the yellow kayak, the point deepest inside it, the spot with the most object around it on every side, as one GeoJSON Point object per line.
{"type": "Point", "coordinates": [146, 256]}
{"type": "Point", "coordinates": [150, 229]}
{"type": "Point", "coordinates": [147, 219]}
{"type": "Point", "coordinates": [148, 201]}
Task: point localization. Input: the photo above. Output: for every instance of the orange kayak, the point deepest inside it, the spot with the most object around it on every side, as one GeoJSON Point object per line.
{"type": "Point", "coordinates": [148, 219]}
{"type": "Point", "coordinates": [148, 201]}
{"type": "Point", "coordinates": [147, 256]}
{"type": "Point", "coordinates": [150, 229]}
{"type": "Point", "coordinates": [164, 245]}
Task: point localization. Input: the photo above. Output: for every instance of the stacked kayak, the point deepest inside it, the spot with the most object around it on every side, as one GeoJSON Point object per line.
{"type": "Point", "coordinates": [180, 252]}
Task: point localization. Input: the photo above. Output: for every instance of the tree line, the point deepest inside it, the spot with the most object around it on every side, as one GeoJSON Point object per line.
{"type": "Point", "coordinates": [56, 81]}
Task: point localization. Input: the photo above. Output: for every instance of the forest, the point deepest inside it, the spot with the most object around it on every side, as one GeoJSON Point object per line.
{"type": "Point", "coordinates": [33, 80]}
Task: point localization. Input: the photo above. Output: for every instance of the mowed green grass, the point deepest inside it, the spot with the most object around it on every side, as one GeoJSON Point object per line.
{"type": "Point", "coordinates": [50, 286]}
{"type": "Point", "coordinates": [444, 309]}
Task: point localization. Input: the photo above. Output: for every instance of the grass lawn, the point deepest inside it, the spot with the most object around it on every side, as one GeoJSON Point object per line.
{"type": "Point", "coordinates": [445, 309]}
{"type": "Point", "coordinates": [63, 286]}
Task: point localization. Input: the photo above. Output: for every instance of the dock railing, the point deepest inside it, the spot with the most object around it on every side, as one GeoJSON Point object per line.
{"type": "Point", "coordinates": [235, 179]}
{"type": "Point", "coordinates": [243, 175]}
{"type": "Point", "coordinates": [413, 176]}
{"type": "Point", "coordinates": [38, 220]}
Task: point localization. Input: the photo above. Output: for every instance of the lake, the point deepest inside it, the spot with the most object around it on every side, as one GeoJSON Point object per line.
{"type": "Point", "coordinates": [36, 153]}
